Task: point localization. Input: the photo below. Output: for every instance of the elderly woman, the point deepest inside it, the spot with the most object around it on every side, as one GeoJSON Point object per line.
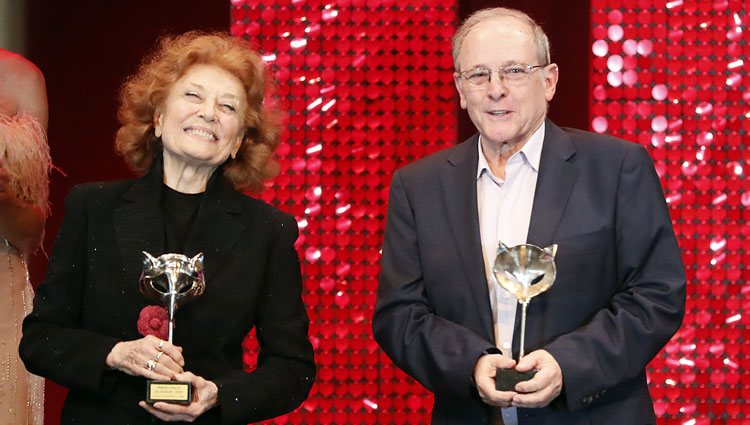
{"type": "Point", "coordinates": [193, 119]}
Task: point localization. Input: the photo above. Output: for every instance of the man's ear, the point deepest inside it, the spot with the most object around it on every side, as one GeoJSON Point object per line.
{"type": "Point", "coordinates": [551, 74]}
{"type": "Point", "coordinates": [457, 82]}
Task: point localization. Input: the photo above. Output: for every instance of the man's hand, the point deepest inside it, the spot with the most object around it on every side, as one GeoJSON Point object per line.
{"type": "Point", "coordinates": [546, 385]}
{"type": "Point", "coordinates": [484, 377]}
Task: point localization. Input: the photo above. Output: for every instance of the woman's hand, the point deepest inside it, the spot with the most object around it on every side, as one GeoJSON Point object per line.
{"type": "Point", "coordinates": [149, 357]}
{"type": "Point", "coordinates": [205, 397]}
{"type": "Point", "coordinates": [21, 223]}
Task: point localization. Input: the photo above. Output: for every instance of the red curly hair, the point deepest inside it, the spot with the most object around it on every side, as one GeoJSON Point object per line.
{"type": "Point", "coordinates": [147, 90]}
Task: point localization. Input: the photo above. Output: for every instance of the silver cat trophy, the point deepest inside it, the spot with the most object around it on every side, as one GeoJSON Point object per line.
{"type": "Point", "coordinates": [525, 271]}
{"type": "Point", "coordinates": [171, 280]}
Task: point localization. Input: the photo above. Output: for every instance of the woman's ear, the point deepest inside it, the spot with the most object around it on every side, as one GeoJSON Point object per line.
{"type": "Point", "coordinates": [157, 122]}
{"type": "Point", "coordinates": [236, 147]}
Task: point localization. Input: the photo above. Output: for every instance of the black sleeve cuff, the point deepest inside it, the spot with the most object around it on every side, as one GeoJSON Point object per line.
{"type": "Point", "coordinates": [491, 350]}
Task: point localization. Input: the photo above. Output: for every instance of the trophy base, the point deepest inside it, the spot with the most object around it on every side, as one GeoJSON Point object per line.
{"type": "Point", "coordinates": [506, 379]}
{"type": "Point", "coordinates": [175, 392]}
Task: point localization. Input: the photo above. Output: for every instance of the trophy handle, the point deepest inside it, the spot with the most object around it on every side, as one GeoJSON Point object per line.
{"type": "Point", "coordinates": [521, 352]}
{"type": "Point", "coordinates": [171, 308]}
{"type": "Point", "coordinates": [551, 250]}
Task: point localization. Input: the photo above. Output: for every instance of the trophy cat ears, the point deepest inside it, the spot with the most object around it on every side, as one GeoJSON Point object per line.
{"type": "Point", "coordinates": [551, 250]}
{"type": "Point", "coordinates": [196, 263]}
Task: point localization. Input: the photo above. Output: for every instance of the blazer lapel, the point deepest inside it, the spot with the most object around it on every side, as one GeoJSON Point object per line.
{"type": "Point", "coordinates": [139, 223]}
{"type": "Point", "coordinates": [216, 231]}
{"type": "Point", "coordinates": [554, 185]}
{"type": "Point", "coordinates": [458, 180]}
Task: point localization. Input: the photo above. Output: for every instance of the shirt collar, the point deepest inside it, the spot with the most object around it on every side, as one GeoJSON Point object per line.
{"type": "Point", "coordinates": [531, 152]}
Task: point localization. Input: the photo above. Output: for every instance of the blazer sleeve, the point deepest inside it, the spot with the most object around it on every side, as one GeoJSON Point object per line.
{"type": "Point", "coordinates": [286, 366]}
{"type": "Point", "coordinates": [437, 352]}
{"type": "Point", "coordinates": [53, 344]}
{"type": "Point", "coordinates": [649, 303]}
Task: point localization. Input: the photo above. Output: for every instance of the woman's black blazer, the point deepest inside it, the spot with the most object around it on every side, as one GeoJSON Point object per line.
{"type": "Point", "coordinates": [90, 300]}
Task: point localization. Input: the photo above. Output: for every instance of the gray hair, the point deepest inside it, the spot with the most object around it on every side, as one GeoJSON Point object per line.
{"type": "Point", "coordinates": [485, 15]}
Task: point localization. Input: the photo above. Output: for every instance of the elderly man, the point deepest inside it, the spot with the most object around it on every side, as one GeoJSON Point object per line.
{"type": "Point", "coordinates": [619, 294]}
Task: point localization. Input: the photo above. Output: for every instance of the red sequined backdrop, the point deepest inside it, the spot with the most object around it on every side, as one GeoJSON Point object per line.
{"type": "Point", "coordinates": [369, 87]}
{"type": "Point", "coordinates": [671, 75]}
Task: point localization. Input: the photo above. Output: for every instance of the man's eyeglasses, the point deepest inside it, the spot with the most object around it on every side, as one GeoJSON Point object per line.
{"type": "Point", "coordinates": [511, 75]}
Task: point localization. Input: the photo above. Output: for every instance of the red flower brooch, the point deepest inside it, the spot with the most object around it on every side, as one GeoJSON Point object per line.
{"type": "Point", "coordinates": [153, 320]}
